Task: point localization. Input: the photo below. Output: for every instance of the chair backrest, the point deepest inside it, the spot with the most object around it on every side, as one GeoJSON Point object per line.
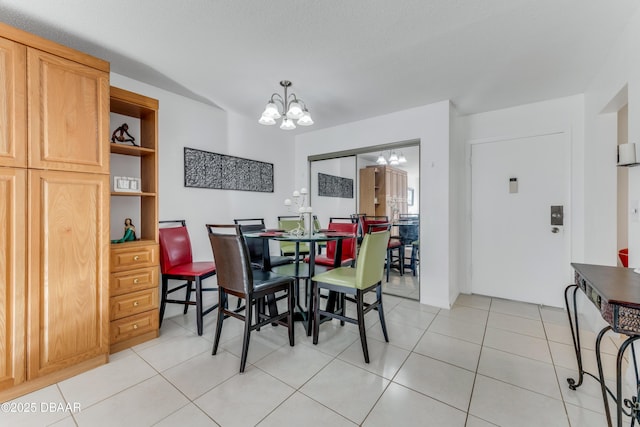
{"type": "Point", "coordinates": [175, 246]}
{"type": "Point", "coordinates": [290, 223]}
{"type": "Point", "coordinates": [348, 245]}
{"type": "Point", "coordinates": [231, 255]}
{"type": "Point", "coordinates": [372, 225]}
{"type": "Point", "coordinates": [255, 246]}
{"type": "Point", "coordinates": [409, 216]}
{"type": "Point", "coordinates": [250, 221]}
{"type": "Point", "coordinates": [408, 231]}
{"type": "Point", "coordinates": [371, 259]}
{"type": "Point", "coordinates": [343, 219]}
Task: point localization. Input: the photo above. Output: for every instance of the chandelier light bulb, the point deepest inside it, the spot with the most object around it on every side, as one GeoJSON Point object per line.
{"type": "Point", "coordinates": [305, 120]}
{"type": "Point", "coordinates": [393, 159]}
{"type": "Point", "coordinates": [402, 159]}
{"type": "Point", "coordinates": [295, 111]}
{"type": "Point", "coordinates": [271, 110]}
{"type": "Point", "coordinates": [381, 160]}
{"type": "Point", "coordinates": [268, 121]}
{"type": "Point", "coordinates": [287, 124]}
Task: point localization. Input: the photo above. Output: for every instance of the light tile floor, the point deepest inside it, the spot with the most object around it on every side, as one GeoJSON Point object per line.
{"type": "Point", "coordinates": [485, 362]}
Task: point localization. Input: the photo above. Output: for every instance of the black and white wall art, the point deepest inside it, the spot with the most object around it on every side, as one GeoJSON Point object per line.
{"type": "Point", "coordinates": [335, 186]}
{"type": "Point", "coordinates": [203, 169]}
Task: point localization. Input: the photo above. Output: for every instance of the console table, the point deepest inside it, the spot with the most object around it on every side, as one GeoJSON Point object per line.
{"type": "Point", "coordinates": [615, 291]}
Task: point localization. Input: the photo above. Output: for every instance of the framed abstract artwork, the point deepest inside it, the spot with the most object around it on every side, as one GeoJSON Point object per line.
{"type": "Point", "coordinates": [203, 169]}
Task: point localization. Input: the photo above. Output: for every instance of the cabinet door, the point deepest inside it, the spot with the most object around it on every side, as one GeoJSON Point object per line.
{"type": "Point", "coordinates": [13, 208]}
{"type": "Point", "coordinates": [69, 269]}
{"type": "Point", "coordinates": [69, 114]}
{"type": "Point", "coordinates": [13, 106]}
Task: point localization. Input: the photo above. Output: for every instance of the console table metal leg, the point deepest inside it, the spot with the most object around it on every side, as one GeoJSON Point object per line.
{"type": "Point", "coordinates": [575, 335]}
{"type": "Point", "coordinates": [601, 379]}
{"type": "Point", "coordinates": [631, 404]}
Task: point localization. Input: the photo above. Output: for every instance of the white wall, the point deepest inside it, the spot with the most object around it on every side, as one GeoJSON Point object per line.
{"type": "Point", "coordinates": [183, 123]}
{"type": "Point", "coordinates": [430, 125]}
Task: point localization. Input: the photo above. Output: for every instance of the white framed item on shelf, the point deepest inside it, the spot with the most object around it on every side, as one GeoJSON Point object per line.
{"type": "Point", "coordinates": [126, 184]}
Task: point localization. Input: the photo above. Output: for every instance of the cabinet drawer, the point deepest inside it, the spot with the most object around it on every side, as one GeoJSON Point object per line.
{"type": "Point", "coordinates": [135, 280]}
{"type": "Point", "coordinates": [133, 326]}
{"type": "Point", "coordinates": [133, 257]}
{"type": "Point", "coordinates": [133, 303]}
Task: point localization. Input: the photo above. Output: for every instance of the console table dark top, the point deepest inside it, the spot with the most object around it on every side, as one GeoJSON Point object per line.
{"type": "Point", "coordinates": [616, 285]}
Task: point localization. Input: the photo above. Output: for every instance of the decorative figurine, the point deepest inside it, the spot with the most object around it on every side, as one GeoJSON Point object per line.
{"type": "Point", "coordinates": [129, 232]}
{"type": "Point", "coordinates": [119, 135]}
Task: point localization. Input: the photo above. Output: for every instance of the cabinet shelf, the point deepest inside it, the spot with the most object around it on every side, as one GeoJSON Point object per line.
{"type": "Point", "coordinates": [130, 194]}
{"type": "Point", "coordinates": [135, 265]}
{"type": "Point", "coordinates": [139, 242]}
{"type": "Point", "coordinates": [131, 150]}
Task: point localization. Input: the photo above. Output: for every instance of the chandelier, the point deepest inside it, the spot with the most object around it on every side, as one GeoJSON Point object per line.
{"type": "Point", "coordinates": [292, 109]}
{"type": "Point", "coordinates": [394, 159]}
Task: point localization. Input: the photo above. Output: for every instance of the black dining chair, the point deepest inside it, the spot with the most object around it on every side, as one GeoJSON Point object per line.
{"type": "Point", "coordinates": [236, 277]}
{"type": "Point", "coordinates": [259, 248]}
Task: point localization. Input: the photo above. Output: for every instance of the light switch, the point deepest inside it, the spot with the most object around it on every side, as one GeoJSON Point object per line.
{"type": "Point", "coordinates": [513, 185]}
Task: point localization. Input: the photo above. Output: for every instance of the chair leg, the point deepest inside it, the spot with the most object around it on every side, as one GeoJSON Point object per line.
{"type": "Point", "coordinates": [316, 311]}
{"type": "Point", "coordinates": [361, 328]}
{"type": "Point", "coordinates": [188, 297]}
{"type": "Point", "coordinates": [247, 333]}
{"type": "Point", "coordinates": [163, 302]}
{"type": "Point", "coordinates": [222, 299]}
{"type": "Point", "coordinates": [290, 316]}
{"type": "Point", "coordinates": [388, 263]}
{"type": "Point", "coordinates": [381, 311]}
{"type": "Point", "coordinates": [401, 256]}
{"type": "Point", "coordinates": [343, 306]}
{"type": "Point", "coordinates": [198, 305]}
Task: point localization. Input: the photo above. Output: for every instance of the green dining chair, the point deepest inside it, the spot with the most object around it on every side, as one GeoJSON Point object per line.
{"type": "Point", "coordinates": [365, 277]}
{"type": "Point", "coordinates": [289, 248]}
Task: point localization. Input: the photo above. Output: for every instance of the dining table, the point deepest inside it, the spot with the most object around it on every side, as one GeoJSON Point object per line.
{"type": "Point", "coordinates": [301, 269]}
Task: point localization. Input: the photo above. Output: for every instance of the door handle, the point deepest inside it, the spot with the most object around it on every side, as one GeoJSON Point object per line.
{"type": "Point", "coordinates": [555, 230]}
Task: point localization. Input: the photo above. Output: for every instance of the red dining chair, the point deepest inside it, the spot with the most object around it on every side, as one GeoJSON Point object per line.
{"type": "Point", "coordinates": [348, 255]}
{"type": "Point", "coordinates": [176, 263]}
{"type": "Point", "coordinates": [374, 225]}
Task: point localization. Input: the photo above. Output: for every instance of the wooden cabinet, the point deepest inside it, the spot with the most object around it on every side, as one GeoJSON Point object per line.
{"type": "Point", "coordinates": [68, 107]}
{"type": "Point", "coordinates": [54, 212]}
{"type": "Point", "coordinates": [134, 266]}
{"type": "Point", "coordinates": [13, 208]}
{"type": "Point", "coordinates": [68, 269]}
{"type": "Point", "coordinates": [383, 191]}
{"type": "Point", "coordinates": [13, 104]}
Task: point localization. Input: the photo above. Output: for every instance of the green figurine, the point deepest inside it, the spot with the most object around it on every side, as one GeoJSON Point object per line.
{"type": "Point", "coordinates": [129, 232]}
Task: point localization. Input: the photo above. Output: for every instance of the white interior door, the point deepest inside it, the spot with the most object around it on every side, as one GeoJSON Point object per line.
{"type": "Point", "coordinates": [516, 253]}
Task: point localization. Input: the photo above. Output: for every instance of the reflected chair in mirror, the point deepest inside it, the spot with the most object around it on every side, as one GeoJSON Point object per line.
{"type": "Point", "coordinates": [316, 228]}
{"type": "Point", "coordinates": [289, 223]}
{"type": "Point", "coordinates": [414, 217]}
{"type": "Point", "coordinates": [409, 235]}
{"type": "Point", "coordinates": [257, 247]}
{"type": "Point", "coordinates": [395, 245]}
{"type": "Point", "coordinates": [358, 219]}
{"type": "Point", "coordinates": [237, 278]}
{"type": "Point", "coordinates": [357, 282]}
{"type": "Point", "coordinates": [176, 263]}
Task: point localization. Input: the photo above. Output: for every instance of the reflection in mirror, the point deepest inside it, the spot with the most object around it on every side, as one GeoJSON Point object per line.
{"type": "Point", "coordinates": [361, 184]}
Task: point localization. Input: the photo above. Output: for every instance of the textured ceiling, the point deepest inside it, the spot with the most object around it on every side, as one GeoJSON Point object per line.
{"type": "Point", "coordinates": [347, 59]}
